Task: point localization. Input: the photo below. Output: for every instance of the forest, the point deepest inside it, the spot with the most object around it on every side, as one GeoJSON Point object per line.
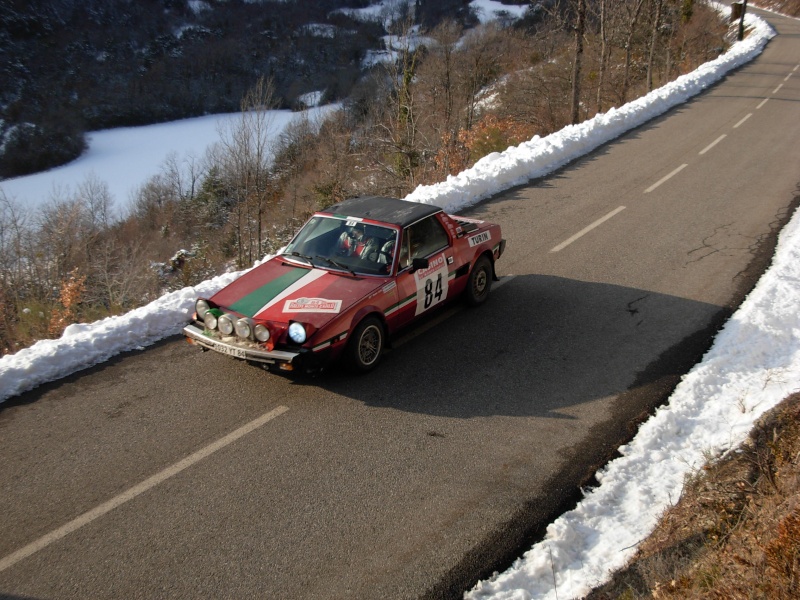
{"type": "Point", "coordinates": [455, 92]}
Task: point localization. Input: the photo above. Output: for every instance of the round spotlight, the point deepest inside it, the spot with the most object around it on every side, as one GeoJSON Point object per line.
{"type": "Point", "coordinates": [244, 329]}
{"type": "Point", "coordinates": [211, 317]}
{"type": "Point", "coordinates": [297, 333]}
{"type": "Point", "coordinates": [201, 308]}
{"type": "Point", "coordinates": [262, 333]}
{"type": "Point", "coordinates": [225, 324]}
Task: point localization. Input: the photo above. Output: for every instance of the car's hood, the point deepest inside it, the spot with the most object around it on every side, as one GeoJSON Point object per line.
{"type": "Point", "coordinates": [282, 292]}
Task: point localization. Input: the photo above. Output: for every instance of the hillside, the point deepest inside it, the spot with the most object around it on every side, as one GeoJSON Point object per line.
{"type": "Point", "coordinates": [434, 101]}
{"type": "Point", "coordinates": [112, 63]}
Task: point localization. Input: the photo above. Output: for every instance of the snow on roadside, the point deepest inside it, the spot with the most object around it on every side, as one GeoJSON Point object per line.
{"type": "Point", "coordinates": [84, 345]}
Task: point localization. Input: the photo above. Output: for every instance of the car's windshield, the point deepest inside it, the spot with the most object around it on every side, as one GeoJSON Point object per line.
{"type": "Point", "coordinates": [345, 244]}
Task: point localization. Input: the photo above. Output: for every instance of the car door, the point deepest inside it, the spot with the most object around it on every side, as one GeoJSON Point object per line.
{"type": "Point", "coordinates": [420, 290]}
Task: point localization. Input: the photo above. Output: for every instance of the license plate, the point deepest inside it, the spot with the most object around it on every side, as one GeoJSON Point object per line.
{"type": "Point", "coordinates": [230, 350]}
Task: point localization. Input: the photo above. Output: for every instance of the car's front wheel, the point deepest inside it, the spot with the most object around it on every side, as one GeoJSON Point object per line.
{"type": "Point", "coordinates": [480, 281]}
{"type": "Point", "coordinates": [366, 345]}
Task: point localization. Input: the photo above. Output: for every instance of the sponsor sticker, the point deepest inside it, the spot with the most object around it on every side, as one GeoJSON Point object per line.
{"type": "Point", "coordinates": [312, 305]}
{"type": "Point", "coordinates": [476, 240]}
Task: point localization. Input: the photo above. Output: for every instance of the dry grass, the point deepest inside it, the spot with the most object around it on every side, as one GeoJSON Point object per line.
{"type": "Point", "coordinates": [786, 7]}
{"type": "Point", "coordinates": [735, 533]}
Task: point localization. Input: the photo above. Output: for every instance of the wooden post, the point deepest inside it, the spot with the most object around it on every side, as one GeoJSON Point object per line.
{"type": "Point", "coordinates": [741, 21]}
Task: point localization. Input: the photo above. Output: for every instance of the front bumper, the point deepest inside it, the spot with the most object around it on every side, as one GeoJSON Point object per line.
{"type": "Point", "coordinates": [198, 335]}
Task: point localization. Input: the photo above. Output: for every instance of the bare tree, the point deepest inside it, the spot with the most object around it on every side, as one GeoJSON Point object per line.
{"type": "Point", "coordinates": [61, 233]}
{"type": "Point", "coordinates": [13, 228]}
{"type": "Point", "coordinates": [293, 158]}
{"type": "Point", "coordinates": [335, 173]}
{"type": "Point", "coordinates": [97, 202]}
{"type": "Point", "coordinates": [633, 10]}
{"type": "Point", "coordinates": [484, 53]}
{"type": "Point", "coordinates": [601, 78]}
{"type": "Point", "coordinates": [246, 153]}
{"type": "Point", "coordinates": [441, 96]}
{"type": "Point", "coordinates": [580, 31]}
{"type": "Point", "coordinates": [183, 176]}
{"type": "Point", "coordinates": [395, 131]}
{"type": "Point", "coordinates": [120, 278]}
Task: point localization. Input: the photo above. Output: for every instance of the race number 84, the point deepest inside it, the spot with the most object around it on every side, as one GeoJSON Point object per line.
{"type": "Point", "coordinates": [433, 291]}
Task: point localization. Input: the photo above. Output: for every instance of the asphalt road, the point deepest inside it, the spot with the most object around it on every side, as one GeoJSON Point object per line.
{"type": "Point", "coordinates": [171, 473]}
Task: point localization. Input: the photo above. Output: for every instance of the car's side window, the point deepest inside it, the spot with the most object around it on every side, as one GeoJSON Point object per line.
{"type": "Point", "coordinates": [426, 237]}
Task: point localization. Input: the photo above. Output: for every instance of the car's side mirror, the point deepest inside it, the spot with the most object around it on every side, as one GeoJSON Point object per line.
{"type": "Point", "coordinates": [419, 263]}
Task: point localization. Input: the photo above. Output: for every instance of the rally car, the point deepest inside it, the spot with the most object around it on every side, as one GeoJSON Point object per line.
{"type": "Point", "coordinates": [354, 274]}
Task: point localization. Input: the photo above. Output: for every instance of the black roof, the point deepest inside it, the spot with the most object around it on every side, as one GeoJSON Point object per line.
{"type": "Point", "coordinates": [387, 210]}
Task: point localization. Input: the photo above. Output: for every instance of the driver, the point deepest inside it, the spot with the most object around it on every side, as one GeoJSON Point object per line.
{"type": "Point", "coordinates": [355, 242]}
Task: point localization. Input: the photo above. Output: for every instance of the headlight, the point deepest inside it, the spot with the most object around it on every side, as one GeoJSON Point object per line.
{"type": "Point", "coordinates": [225, 324]}
{"type": "Point", "coordinates": [262, 333]}
{"type": "Point", "coordinates": [201, 308]}
{"type": "Point", "coordinates": [211, 317]}
{"type": "Point", "coordinates": [244, 328]}
{"type": "Point", "coordinates": [297, 333]}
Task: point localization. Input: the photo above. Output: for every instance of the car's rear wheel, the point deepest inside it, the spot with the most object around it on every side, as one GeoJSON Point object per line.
{"type": "Point", "coordinates": [366, 345]}
{"type": "Point", "coordinates": [480, 281]}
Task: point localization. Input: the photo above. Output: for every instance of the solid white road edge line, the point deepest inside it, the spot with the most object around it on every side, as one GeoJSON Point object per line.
{"type": "Point", "coordinates": [666, 178]}
{"type": "Point", "coordinates": [137, 490]}
{"type": "Point", "coordinates": [586, 230]}
{"type": "Point", "coordinates": [714, 143]}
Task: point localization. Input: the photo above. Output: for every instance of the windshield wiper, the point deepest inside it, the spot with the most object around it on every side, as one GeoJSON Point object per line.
{"type": "Point", "coordinates": [298, 255]}
{"type": "Point", "coordinates": [336, 264]}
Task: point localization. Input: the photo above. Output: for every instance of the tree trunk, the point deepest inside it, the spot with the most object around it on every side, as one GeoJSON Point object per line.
{"type": "Point", "coordinates": [653, 38]}
{"type": "Point", "coordinates": [580, 27]}
{"type": "Point", "coordinates": [631, 28]}
{"type": "Point", "coordinates": [603, 59]}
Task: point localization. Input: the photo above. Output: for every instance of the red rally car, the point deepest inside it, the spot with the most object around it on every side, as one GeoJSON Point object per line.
{"type": "Point", "coordinates": [351, 277]}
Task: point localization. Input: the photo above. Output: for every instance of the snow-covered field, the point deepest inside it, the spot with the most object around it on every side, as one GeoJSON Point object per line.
{"type": "Point", "coordinates": [126, 157]}
{"type": "Point", "coordinates": [753, 364]}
